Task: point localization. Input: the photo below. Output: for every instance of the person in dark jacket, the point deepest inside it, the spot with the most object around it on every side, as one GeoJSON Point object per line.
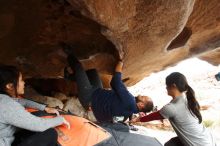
{"type": "Point", "coordinates": [106, 104]}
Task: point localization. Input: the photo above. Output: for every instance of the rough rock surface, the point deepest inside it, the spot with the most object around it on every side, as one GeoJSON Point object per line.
{"type": "Point", "coordinates": [73, 105]}
{"type": "Point", "coordinates": [150, 35]}
{"type": "Point", "coordinates": [30, 93]}
{"type": "Point", "coordinates": [60, 100]}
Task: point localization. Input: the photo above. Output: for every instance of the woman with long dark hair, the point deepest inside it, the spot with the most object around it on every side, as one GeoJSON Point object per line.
{"type": "Point", "coordinates": [183, 113]}
{"type": "Point", "coordinates": [13, 115]}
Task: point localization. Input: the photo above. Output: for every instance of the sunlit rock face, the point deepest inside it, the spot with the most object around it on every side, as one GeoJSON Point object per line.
{"type": "Point", "coordinates": [150, 35]}
{"type": "Point", "coordinates": [212, 56]}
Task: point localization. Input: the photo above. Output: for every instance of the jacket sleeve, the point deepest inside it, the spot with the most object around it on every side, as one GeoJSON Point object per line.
{"type": "Point", "coordinates": [151, 117]}
{"type": "Point", "coordinates": [14, 114]}
{"type": "Point", "coordinates": [120, 89]}
{"type": "Point", "coordinates": [30, 104]}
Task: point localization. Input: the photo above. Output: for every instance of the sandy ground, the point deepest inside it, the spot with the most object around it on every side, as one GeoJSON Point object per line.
{"type": "Point", "coordinates": [161, 136]}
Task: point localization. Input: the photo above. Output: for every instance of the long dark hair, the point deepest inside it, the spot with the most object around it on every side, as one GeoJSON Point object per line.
{"type": "Point", "coordinates": [8, 74]}
{"type": "Point", "coordinates": [182, 85]}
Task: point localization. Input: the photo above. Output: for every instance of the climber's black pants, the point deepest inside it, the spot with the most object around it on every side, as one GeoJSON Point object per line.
{"type": "Point", "coordinates": [87, 81]}
{"type": "Point", "coordinates": [29, 138]}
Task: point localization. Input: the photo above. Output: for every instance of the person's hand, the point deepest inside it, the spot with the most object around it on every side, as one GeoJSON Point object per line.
{"type": "Point", "coordinates": [119, 66]}
{"type": "Point", "coordinates": [69, 69]}
{"type": "Point", "coordinates": [142, 114]}
{"type": "Point", "coordinates": [134, 120]}
{"type": "Point", "coordinates": [52, 111]}
{"type": "Point", "coordinates": [121, 54]}
{"type": "Point", "coordinates": [65, 122]}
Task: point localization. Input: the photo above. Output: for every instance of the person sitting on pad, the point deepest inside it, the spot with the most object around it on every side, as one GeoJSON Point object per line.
{"type": "Point", "coordinates": [14, 117]}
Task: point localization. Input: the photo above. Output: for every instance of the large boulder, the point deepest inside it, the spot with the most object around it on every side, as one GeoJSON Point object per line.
{"type": "Point", "coordinates": [150, 35]}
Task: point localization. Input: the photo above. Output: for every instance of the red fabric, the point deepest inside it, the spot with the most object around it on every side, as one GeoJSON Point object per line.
{"type": "Point", "coordinates": [151, 117]}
